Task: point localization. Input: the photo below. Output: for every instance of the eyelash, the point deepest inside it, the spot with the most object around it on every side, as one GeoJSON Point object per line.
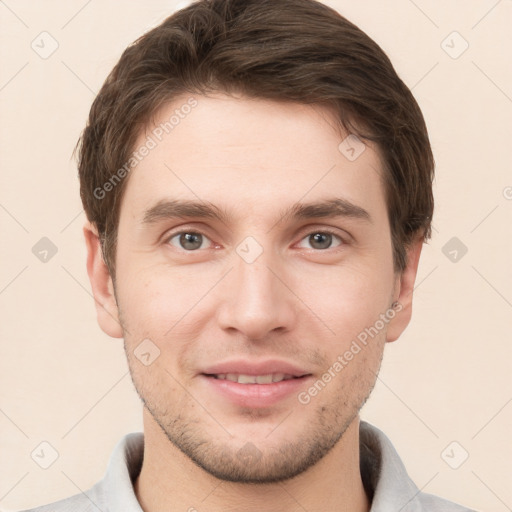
{"type": "Point", "coordinates": [199, 232]}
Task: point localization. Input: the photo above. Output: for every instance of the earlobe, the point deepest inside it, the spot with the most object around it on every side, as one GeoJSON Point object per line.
{"type": "Point", "coordinates": [403, 311]}
{"type": "Point", "coordinates": [101, 283]}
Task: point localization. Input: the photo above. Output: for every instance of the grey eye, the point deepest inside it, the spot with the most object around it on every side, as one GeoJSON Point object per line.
{"type": "Point", "coordinates": [321, 240]}
{"type": "Point", "coordinates": [188, 240]}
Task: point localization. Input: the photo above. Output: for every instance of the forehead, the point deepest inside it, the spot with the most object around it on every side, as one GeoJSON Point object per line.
{"type": "Point", "coordinates": [250, 155]}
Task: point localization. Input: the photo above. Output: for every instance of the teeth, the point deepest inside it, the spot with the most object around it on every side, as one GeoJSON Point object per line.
{"type": "Point", "coordinates": [254, 379]}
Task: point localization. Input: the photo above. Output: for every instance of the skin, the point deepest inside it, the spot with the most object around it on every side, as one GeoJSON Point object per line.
{"type": "Point", "coordinates": [299, 301]}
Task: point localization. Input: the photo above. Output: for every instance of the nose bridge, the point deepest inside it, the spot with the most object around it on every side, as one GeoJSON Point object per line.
{"type": "Point", "coordinates": [256, 301]}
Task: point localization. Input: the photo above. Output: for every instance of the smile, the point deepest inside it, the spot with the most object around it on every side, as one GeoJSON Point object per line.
{"type": "Point", "coordinates": [253, 379]}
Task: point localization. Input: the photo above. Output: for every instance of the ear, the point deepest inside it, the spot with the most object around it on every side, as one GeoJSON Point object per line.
{"type": "Point", "coordinates": [101, 283]}
{"type": "Point", "coordinates": [405, 288]}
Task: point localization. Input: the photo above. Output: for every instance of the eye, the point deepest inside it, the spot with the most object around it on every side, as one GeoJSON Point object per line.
{"type": "Point", "coordinates": [193, 240]}
{"type": "Point", "coordinates": [188, 240]}
{"type": "Point", "coordinates": [322, 240]}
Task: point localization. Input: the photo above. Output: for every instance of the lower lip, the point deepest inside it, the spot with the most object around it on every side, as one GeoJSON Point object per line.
{"type": "Point", "coordinates": [256, 395]}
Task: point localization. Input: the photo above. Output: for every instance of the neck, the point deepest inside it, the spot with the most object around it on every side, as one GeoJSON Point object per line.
{"type": "Point", "coordinates": [169, 480]}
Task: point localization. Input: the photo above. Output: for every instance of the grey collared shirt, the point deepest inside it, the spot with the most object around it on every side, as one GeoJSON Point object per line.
{"type": "Point", "coordinates": [384, 475]}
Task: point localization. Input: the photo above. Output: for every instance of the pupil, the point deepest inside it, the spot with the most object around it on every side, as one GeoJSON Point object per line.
{"type": "Point", "coordinates": [317, 238]}
{"type": "Point", "coordinates": [190, 240]}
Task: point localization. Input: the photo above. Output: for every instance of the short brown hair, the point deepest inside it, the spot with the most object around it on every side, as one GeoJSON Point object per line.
{"type": "Point", "coordinates": [284, 50]}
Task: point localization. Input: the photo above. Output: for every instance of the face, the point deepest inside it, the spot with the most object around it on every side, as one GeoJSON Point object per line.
{"type": "Point", "coordinates": [229, 279]}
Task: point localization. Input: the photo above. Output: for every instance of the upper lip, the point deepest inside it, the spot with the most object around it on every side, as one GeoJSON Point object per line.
{"type": "Point", "coordinates": [245, 367]}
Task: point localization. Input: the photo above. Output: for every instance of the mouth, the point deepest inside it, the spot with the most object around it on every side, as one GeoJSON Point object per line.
{"type": "Point", "coordinates": [242, 378]}
{"type": "Point", "coordinates": [254, 383]}
{"type": "Point", "coordinates": [255, 389]}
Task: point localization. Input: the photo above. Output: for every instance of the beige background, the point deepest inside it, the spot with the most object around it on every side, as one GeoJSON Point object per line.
{"type": "Point", "coordinates": [447, 379]}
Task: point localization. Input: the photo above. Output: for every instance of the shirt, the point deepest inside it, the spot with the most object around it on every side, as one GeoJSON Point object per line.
{"type": "Point", "coordinates": [385, 478]}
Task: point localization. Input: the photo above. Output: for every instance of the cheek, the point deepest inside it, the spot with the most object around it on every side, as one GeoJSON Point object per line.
{"type": "Point", "coordinates": [350, 299]}
{"type": "Point", "coordinates": [154, 299]}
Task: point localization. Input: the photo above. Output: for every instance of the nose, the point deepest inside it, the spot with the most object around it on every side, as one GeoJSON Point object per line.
{"type": "Point", "coordinates": [256, 298]}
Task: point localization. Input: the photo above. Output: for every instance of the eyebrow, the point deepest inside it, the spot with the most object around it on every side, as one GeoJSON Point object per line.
{"type": "Point", "coordinates": [179, 208]}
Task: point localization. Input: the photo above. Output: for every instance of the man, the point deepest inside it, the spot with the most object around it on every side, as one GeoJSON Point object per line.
{"type": "Point", "coordinates": [258, 186]}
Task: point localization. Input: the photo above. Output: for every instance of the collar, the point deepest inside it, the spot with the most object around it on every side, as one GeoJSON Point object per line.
{"type": "Point", "coordinates": [384, 476]}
